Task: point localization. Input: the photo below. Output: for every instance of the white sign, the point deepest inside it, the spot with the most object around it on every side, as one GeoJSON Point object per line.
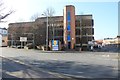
{"type": "Point", "coordinates": [90, 42]}
{"type": "Point", "coordinates": [23, 39]}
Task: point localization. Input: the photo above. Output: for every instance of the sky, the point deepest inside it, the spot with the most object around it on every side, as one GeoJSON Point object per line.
{"type": "Point", "coordinates": [105, 13]}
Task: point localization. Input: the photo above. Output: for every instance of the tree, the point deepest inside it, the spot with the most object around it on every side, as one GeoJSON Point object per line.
{"type": "Point", "coordinates": [2, 14]}
{"type": "Point", "coordinates": [35, 16]}
{"type": "Point", "coordinates": [36, 29]}
{"type": "Point", "coordinates": [49, 12]}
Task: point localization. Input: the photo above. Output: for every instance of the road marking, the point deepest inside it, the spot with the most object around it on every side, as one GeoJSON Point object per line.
{"type": "Point", "coordinates": [106, 55]}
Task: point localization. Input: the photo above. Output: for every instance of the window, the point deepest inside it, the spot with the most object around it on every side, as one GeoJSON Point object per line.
{"type": "Point", "coordinates": [68, 23]}
{"type": "Point", "coordinates": [3, 40]}
{"type": "Point", "coordinates": [5, 32]}
{"type": "Point", "coordinates": [68, 27]}
{"type": "Point", "coordinates": [77, 32]}
{"type": "Point", "coordinates": [92, 31]}
{"type": "Point", "coordinates": [68, 16]}
{"type": "Point", "coordinates": [68, 37]}
{"type": "Point", "coordinates": [68, 33]}
{"type": "Point", "coordinates": [77, 40]}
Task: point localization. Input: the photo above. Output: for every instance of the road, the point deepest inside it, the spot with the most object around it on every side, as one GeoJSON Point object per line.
{"type": "Point", "coordinates": [11, 69]}
{"type": "Point", "coordinates": [81, 65]}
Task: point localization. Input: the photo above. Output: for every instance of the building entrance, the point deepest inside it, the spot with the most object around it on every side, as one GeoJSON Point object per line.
{"type": "Point", "coordinates": [69, 45]}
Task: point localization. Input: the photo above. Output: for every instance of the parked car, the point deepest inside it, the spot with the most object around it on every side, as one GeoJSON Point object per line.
{"type": "Point", "coordinates": [44, 47]}
{"type": "Point", "coordinates": [20, 47]}
{"type": "Point", "coordinates": [30, 46]}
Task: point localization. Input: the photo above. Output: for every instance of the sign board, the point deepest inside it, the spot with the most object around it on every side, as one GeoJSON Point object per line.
{"type": "Point", "coordinates": [23, 39]}
{"type": "Point", "coordinates": [55, 46]}
{"type": "Point", "coordinates": [90, 43]}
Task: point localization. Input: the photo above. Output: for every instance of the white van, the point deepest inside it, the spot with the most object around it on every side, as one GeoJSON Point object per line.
{"type": "Point", "coordinates": [0, 40]}
{"type": "Point", "coordinates": [3, 41]}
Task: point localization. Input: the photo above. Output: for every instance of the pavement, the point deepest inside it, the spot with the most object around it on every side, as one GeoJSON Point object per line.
{"type": "Point", "coordinates": [77, 64]}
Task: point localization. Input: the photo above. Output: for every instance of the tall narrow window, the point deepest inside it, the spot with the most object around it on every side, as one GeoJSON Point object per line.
{"type": "Point", "coordinates": [68, 37]}
{"type": "Point", "coordinates": [68, 27]}
{"type": "Point", "coordinates": [68, 16]}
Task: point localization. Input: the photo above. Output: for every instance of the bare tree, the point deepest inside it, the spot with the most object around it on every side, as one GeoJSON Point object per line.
{"type": "Point", "coordinates": [35, 16]}
{"type": "Point", "coordinates": [49, 12]}
{"type": "Point", "coordinates": [36, 30]}
{"type": "Point", "coordinates": [2, 14]}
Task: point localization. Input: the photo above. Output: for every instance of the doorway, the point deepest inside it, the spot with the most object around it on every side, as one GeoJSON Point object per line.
{"type": "Point", "coordinates": [69, 45]}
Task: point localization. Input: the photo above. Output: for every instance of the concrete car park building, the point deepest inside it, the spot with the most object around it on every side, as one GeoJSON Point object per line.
{"type": "Point", "coordinates": [72, 31]}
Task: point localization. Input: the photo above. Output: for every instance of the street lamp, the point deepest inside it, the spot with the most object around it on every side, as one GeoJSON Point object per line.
{"type": "Point", "coordinates": [12, 40]}
{"type": "Point", "coordinates": [53, 31]}
{"type": "Point", "coordinates": [81, 32]}
{"type": "Point", "coordinates": [87, 37]}
{"type": "Point", "coordinates": [46, 32]}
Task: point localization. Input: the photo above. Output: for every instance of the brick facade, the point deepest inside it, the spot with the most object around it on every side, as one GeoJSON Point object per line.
{"type": "Point", "coordinates": [82, 30]}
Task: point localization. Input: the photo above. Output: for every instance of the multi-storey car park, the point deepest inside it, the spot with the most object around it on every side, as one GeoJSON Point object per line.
{"type": "Point", "coordinates": [72, 31]}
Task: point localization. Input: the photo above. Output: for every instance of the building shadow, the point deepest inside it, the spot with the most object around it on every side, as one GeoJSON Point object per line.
{"type": "Point", "coordinates": [11, 69]}
{"type": "Point", "coordinates": [74, 69]}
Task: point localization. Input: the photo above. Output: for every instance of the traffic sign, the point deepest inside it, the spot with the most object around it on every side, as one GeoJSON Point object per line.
{"type": "Point", "coordinates": [23, 39]}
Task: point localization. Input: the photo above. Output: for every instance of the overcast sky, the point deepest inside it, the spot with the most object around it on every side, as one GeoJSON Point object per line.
{"type": "Point", "coordinates": [105, 12]}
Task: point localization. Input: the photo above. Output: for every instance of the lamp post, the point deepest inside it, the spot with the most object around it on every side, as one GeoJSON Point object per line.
{"type": "Point", "coordinates": [11, 40]}
{"type": "Point", "coordinates": [87, 39]}
{"type": "Point", "coordinates": [53, 32]}
{"type": "Point", "coordinates": [81, 33]}
{"type": "Point", "coordinates": [33, 40]}
{"type": "Point", "coordinates": [46, 32]}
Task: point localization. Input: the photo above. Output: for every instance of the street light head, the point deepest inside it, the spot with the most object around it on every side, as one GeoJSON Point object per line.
{"type": "Point", "coordinates": [42, 14]}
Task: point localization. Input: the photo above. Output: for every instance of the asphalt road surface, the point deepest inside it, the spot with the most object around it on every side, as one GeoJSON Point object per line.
{"type": "Point", "coordinates": [80, 65]}
{"type": "Point", "coordinates": [11, 69]}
